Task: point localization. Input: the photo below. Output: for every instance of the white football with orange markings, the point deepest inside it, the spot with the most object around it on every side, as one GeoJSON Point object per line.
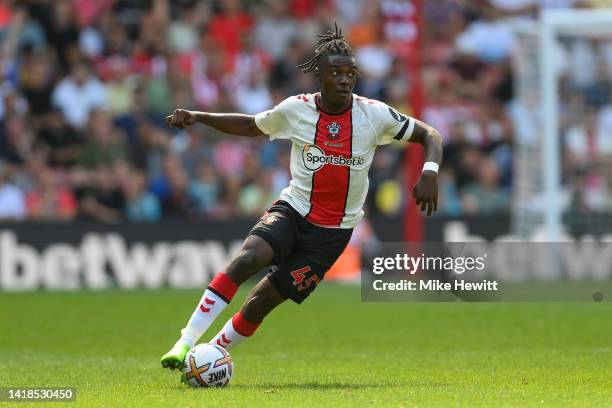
{"type": "Point", "coordinates": [208, 365]}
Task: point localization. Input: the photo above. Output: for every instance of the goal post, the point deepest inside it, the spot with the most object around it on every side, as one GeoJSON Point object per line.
{"type": "Point", "coordinates": [540, 192]}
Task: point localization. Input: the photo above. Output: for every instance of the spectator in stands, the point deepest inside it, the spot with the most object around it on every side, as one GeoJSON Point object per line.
{"type": "Point", "coordinates": [253, 96]}
{"type": "Point", "coordinates": [450, 202]}
{"type": "Point", "coordinates": [12, 198]}
{"type": "Point", "coordinates": [140, 204]}
{"type": "Point", "coordinates": [101, 198]}
{"type": "Point", "coordinates": [204, 190]}
{"type": "Point", "coordinates": [255, 194]}
{"type": "Point", "coordinates": [105, 144]}
{"type": "Point", "coordinates": [587, 142]}
{"type": "Point", "coordinates": [85, 84]}
{"type": "Point", "coordinates": [16, 140]}
{"type": "Point", "coordinates": [484, 196]}
{"type": "Point", "coordinates": [61, 142]}
{"type": "Point", "coordinates": [228, 26]}
{"type": "Point", "coordinates": [488, 37]}
{"type": "Point", "coordinates": [48, 200]}
{"type": "Point", "coordinates": [36, 82]}
{"type": "Point", "coordinates": [172, 189]}
{"type": "Point", "coordinates": [183, 32]}
{"type": "Point", "coordinates": [79, 94]}
{"type": "Point", "coordinates": [62, 31]}
{"type": "Point", "coordinates": [275, 29]}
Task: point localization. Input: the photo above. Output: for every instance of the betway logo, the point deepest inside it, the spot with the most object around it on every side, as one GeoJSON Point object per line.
{"type": "Point", "coordinates": [105, 260]}
{"type": "Point", "coordinates": [314, 158]}
{"type": "Point", "coordinates": [517, 260]}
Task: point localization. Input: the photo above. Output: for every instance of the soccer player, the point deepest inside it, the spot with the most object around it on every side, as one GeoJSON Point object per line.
{"type": "Point", "coordinates": [334, 134]}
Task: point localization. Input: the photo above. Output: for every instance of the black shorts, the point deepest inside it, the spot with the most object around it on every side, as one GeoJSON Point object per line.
{"type": "Point", "coordinates": [303, 252]}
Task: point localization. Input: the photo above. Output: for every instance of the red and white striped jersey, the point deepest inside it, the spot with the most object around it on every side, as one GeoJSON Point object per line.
{"type": "Point", "coordinates": [332, 153]}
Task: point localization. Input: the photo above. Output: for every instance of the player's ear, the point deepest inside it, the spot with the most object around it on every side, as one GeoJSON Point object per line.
{"type": "Point", "coordinates": [317, 73]}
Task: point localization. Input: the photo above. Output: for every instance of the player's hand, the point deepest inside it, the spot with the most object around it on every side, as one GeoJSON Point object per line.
{"type": "Point", "coordinates": [181, 118]}
{"type": "Point", "coordinates": [426, 192]}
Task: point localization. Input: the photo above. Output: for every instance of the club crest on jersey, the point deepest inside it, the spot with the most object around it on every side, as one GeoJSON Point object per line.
{"type": "Point", "coordinates": [334, 130]}
{"type": "Point", "coordinates": [270, 219]}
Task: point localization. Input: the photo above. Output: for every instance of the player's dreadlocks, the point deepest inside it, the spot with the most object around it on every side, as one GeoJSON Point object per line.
{"type": "Point", "coordinates": [332, 43]}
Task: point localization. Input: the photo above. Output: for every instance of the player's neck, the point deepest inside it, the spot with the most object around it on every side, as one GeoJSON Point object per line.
{"type": "Point", "coordinates": [334, 107]}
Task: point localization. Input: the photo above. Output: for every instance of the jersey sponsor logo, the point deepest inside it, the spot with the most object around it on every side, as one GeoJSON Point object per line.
{"type": "Point", "coordinates": [397, 116]}
{"type": "Point", "coordinates": [314, 158]}
{"type": "Point", "coordinates": [334, 130]}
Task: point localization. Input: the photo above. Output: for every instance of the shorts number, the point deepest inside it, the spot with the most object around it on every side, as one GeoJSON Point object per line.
{"type": "Point", "coordinates": [299, 278]}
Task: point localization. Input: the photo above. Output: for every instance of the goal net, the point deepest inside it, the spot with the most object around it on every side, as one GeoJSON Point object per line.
{"type": "Point", "coordinates": [563, 120]}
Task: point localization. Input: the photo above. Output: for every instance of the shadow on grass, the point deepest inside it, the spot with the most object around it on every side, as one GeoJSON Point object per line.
{"type": "Point", "coordinates": [314, 386]}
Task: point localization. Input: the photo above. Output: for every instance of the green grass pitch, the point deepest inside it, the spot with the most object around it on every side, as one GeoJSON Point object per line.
{"type": "Point", "coordinates": [332, 351]}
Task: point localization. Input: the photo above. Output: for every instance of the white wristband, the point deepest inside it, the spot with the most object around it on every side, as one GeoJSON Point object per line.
{"type": "Point", "coordinates": [433, 166]}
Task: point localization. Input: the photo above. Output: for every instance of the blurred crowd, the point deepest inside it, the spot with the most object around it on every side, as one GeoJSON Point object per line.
{"type": "Point", "coordinates": [586, 124]}
{"type": "Point", "coordinates": [85, 86]}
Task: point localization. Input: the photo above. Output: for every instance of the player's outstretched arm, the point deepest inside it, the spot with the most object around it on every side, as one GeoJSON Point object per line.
{"type": "Point", "coordinates": [232, 123]}
{"type": "Point", "coordinates": [425, 191]}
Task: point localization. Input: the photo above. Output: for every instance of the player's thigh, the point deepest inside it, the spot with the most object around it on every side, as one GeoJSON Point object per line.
{"type": "Point", "coordinates": [324, 245]}
{"type": "Point", "coordinates": [278, 228]}
{"type": "Point", "coordinates": [254, 255]}
{"type": "Point", "coordinates": [296, 277]}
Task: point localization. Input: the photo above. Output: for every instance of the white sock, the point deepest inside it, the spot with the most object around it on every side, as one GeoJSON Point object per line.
{"type": "Point", "coordinates": [203, 316]}
{"type": "Point", "coordinates": [228, 337]}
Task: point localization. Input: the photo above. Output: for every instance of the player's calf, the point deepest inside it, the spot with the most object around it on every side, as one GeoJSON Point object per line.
{"type": "Point", "coordinates": [236, 330]}
{"type": "Point", "coordinates": [261, 301]}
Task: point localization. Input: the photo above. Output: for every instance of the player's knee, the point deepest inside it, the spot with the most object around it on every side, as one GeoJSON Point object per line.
{"type": "Point", "coordinates": [245, 265]}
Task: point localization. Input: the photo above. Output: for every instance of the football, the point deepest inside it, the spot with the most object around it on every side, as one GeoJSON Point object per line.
{"type": "Point", "coordinates": [207, 365]}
